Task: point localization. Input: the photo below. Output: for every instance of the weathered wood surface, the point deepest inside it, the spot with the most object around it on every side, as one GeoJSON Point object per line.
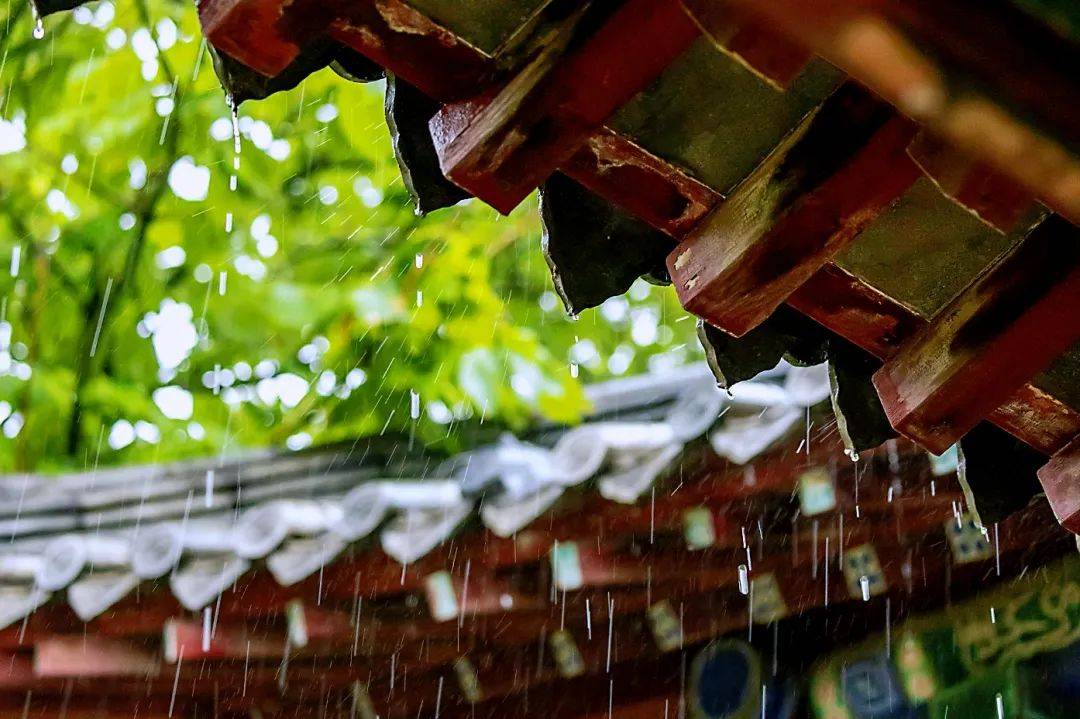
{"type": "Point", "coordinates": [935, 61]}
{"type": "Point", "coordinates": [805, 203]}
{"type": "Point", "coordinates": [878, 324]}
{"type": "Point", "coordinates": [503, 144]}
{"type": "Point", "coordinates": [743, 36]}
{"type": "Point", "coordinates": [1060, 478]}
{"type": "Point", "coordinates": [988, 342]}
{"type": "Point", "coordinates": [988, 194]}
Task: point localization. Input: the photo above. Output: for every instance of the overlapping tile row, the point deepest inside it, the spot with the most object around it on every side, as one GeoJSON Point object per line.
{"type": "Point", "coordinates": [756, 521]}
{"type": "Point", "coordinates": [198, 527]}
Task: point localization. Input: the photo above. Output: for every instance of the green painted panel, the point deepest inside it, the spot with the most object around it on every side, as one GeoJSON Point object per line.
{"type": "Point", "coordinates": [1062, 378]}
{"type": "Point", "coordinates": [711, 116]}
{"type": "Point", "coordinates": [485, 24]}
{"type": "Point", "coordinates": [924, 249]}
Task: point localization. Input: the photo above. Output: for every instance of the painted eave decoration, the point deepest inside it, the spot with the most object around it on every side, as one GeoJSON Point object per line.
{"type": "Point", "coordinates": [386, 582]}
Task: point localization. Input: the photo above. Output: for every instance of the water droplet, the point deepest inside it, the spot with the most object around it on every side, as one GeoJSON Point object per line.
{"type": "Point", "coordinates": [39, 26]}
{"type": "Point", "coordinates": [744, 580]}
{"type": "Point", "coordinates": [235, 123]}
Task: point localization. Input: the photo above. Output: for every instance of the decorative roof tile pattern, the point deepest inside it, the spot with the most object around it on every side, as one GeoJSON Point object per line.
{"type": "Point", "coordinates": [92, 538]}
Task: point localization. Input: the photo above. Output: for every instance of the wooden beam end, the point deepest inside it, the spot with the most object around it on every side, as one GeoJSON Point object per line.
{"type": "Point", "coordinates": [1060, 478]}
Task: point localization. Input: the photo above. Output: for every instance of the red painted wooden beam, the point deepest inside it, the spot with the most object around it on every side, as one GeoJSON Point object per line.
{"type": "Point", "coordinates": [412, 46]}
{"type": "Point", "coordinates": [1060, 477]}
{"type": "Point", "coordinates": [501, 145]}
{"type": "Point", "coordinates": [988, 194]}
{"type": "Point", "coordinates": [743, 36]}
{"type": "Point", "coordinates": [988, 342]}
{"type": "Point", "coordinates": [91, 656]}
{"type": "Point", "coordinates": [265, 35]}
{"type": "Point", "coordinates": [652, 189]}
{"type": "Point", "coordinates": [268, 35]}
{"type": "Point", "coordinates": [807, 201]}
{"type": "Point", "coordinates": [908, 51]}
{"type": "Point", "coordinates": [864, 316]}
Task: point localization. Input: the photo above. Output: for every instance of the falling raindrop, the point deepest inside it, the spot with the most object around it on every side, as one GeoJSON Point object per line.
{"type": "Point", "coordinates": [864, 584]}
{"type": "Point", "coordinates": [206, 629]}
{"type": "Point", "coordinates": [610, 629]}
{"type": "Point", "coordinates": [101, 317]}
{"type": "Point", "coordinates": [888, 627]}
{"type": "Point", "coordinates": [744, 580]}
{"type": "Point", "coordinates": [997, 551]}
{"type": "Point", "coordinates": [209, 496]}
{"type": "Point", "coordinates": [39, 25]}
{"type": "Point", "coordinates": [809, 424]}
{"type": "Point", "coordinates": [176, 680]}
{"type": "Point", "coordinates": [826, 571]}
{"type": "Point", "coordinates": [16, 256]}
{"type": "Point", "coordinates": [894, 457]}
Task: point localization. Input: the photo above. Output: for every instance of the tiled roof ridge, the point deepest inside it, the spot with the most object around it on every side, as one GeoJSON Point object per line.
{"type": "Point", "coordinates": [203, 537]}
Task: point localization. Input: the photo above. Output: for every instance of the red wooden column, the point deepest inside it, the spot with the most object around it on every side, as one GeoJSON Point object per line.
{"type": "Point", "coordinates": [501, 145]}
{"type": "Point", "coordinates": [1060, 478]}
{"type": "Point", "coordinates": [801, 206]}
{"type": "Point", "coordinates": [1004, 329]}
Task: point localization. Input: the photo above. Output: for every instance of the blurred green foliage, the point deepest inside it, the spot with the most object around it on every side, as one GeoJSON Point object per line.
{"type": "Point", "coordinates": [309, 305]}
